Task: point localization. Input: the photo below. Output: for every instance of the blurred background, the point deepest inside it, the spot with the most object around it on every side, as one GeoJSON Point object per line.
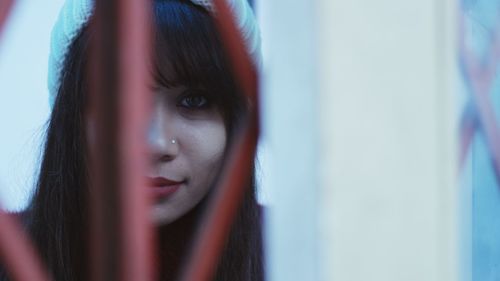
{"type": "Point", "coordinates": [380, 151]}
{"type": "Point", "coordinates": [24, 109]}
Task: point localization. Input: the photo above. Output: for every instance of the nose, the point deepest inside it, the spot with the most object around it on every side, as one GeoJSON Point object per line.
{"type": "Point", "coordinates": [163, 145]}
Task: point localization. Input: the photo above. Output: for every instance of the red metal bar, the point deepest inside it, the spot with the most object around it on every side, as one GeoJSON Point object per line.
{"type": "Point", "coordinates": [218, 221]}
{"type": "Point", "coordinates": [105, 203]}
{"type": "Point", "coordinates": [5, 8]}
{"type": "Point", "coordinates": [122, 233]}
{"type": "Point", "coordinates": [242, 64]}
{"type": "Point", "coordinates": [221, 212]}
{"type": "Point", "coordinates": [17, 253]}
{"type": "Point", "coordinates": [135, 101]}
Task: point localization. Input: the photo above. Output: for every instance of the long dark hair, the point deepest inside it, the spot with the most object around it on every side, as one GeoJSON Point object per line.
{"type": "Point", "coordinates": [188, 51]}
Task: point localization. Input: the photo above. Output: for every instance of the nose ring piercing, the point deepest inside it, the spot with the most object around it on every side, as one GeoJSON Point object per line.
{"type": "Point", "coordinates": [173, 141]}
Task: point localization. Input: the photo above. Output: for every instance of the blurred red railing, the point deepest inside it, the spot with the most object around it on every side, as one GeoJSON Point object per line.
{"type": "Point", "coordinates": [223, 208]}
{"type": "Point", "coordinates": [122, 233]}
{"type": "Point", "coordinates": [17, 252]}
{"type": "Point", "coordinates": [5, 7]}
{"type": "Point", "coordinates": [122, 238]}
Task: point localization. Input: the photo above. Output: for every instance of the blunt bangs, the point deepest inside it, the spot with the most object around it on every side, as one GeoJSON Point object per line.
{"type": "Point", "coordinates": [188, 50]}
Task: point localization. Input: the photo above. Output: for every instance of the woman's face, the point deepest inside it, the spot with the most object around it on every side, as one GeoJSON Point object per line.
{"type": "Point", "coordinates": [187, 140]}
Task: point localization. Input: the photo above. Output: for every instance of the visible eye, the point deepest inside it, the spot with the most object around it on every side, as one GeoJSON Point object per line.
{"type": "Point", "coordinates": [194, 101]}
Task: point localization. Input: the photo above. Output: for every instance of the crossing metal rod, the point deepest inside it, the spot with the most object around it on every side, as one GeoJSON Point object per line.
{"type": "Point", "coordinates": [121, 233]}
{"type": "Point", "coordinates": [16, 251]}
{"type": "Point", "coordinates": [222, 209]}
{"type": "Point", "coordinates": [5, 8]}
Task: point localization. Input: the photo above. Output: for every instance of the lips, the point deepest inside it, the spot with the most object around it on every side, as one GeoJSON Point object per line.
{"type": "Point", "coordinates": [163, 187]}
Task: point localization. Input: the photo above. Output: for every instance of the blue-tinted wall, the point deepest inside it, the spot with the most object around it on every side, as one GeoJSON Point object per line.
{"type": "Point", "coordinates": [483, 21]}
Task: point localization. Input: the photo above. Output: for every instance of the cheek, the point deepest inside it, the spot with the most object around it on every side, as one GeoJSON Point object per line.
{"type": "Point", "coordinates": [205, 144]}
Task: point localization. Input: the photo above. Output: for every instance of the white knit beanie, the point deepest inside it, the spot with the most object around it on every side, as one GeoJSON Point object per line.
{"type": "Point", "coordinates": [75, 13]}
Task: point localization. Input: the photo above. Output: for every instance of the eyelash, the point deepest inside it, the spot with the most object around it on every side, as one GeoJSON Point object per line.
{"type": "Point", "coordinates": [187, 100]}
